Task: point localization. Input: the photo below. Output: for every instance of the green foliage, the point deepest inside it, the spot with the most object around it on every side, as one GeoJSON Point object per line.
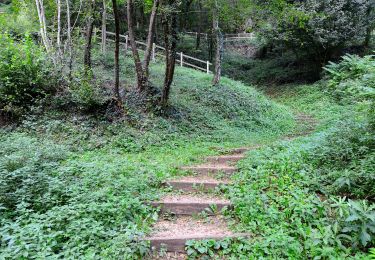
{"type": "Point", "coordinates": [273, 69]}
{"type": "Point", "coordinates": [372, 253]}
{"type": "Point", "coordinates": [320, 28]}
{"type": "Point", "coordinates": [352, 79]}
{"type": "Point", "coordinates": [85, 92]}
{"type": "Point", "coordinates": [345, 159]}
{"type": "Point", "coordinates": [212, 249]}
{"type": "Point", "coordinates": [19, 19]}
{"type": "Point", "coordinates": [25, 74]}
{"type": "Point", "coordinates": [360, 223]}
{"type": "Point", "coordinates": [27, 175]}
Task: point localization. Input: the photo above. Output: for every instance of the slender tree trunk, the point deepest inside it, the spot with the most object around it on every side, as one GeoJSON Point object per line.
{"type": "Point", "coordinates": [69, 36]}
{"type": "Point", "coordinates": [141, 77]}
{"type": "Point", "coordinates": [42, 24]}
{"type": "Point", "coordinates": [117, 50]}
{"type": "Point", "coordinates": [150, 37]}
{"type": "Point", "coordinates": [370, 26]}
{"type": "Point", "coordinates": [89, 31]}
{"type": "Point", "coordinates": [58, 40]}
{"type": "Point", "coordinates": [198, 39]}
{"type": "Point", "coordinates": [170, 41]}
{"type": "Point", "coordinates": [219, 46]}
{"type": "Point", "coordinates": [104, 27]}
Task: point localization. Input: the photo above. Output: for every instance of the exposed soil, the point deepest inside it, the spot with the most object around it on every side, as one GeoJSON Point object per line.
{"type": "Point", "coordinates": [187, 226]}
{"type": "Point", "coordinates": [193, 198]}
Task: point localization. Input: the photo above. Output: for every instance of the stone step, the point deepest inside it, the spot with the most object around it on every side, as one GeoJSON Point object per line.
{"type": "Point", "coordinates": [172, 235]}
{"type": "Point", "coordinates": [195, 184]}
{"type": "Point", "coordinates": [225, 159]}
{"type": "Point", "coordinates": [187, 204]}
{"type": "Point", "coordinates": [210, 169]}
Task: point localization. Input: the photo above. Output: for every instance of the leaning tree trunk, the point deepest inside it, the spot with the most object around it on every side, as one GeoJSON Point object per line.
{"type": "Point", "coordinates": [117, 49]}
{"type": "Point", "coordinates": [141, 76]}
{"type": "Point", "coordinates": [170, 41]}
{"type": "Point", "coordinates": [89, 31]}
{"type": "Point", "coordinates": [150, 37]}
{"type": "Point", "coordinates": [219, 48]}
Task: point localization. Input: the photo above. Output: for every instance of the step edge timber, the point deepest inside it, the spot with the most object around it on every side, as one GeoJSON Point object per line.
{"type": "Point", "coordinates": [177, 244]}
{"type": "Point", "coordinates": [225, 159]}
{"type": "Point", "coordinates": [189, 208]}
{"type": "Point", "coordinates": [208, 169]}
{"type": "Point", "coordinates": [192, 186]}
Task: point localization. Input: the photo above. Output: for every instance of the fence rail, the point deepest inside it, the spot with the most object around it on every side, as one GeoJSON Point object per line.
{"type": "Point", "coordinates": [182, 59]}
{"type": "Point", "coordinates": [227, 36]}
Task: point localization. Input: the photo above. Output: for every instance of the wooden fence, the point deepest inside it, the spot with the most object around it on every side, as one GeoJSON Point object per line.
{"type": "Point", "coordinates": [181, 59]}
{"type": "Point", "coordinates": [228, 36]}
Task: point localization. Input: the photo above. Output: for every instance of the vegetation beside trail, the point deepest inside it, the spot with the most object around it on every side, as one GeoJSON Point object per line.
{"type": "Point", "coordinates": [75, 184]}
{"type": "Point", "coordinates": [312, 197]}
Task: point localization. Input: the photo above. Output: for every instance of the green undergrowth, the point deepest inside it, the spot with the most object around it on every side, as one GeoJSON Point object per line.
{"type": "Point", "coordinates": [75, 185]}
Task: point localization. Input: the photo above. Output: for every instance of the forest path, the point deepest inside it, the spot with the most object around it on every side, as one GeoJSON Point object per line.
{"type": "Point", "coordinates": [195, 206]}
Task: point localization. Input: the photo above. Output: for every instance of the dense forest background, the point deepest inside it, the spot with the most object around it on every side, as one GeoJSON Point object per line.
{"type": "Point", "coordinates": [92, 123]}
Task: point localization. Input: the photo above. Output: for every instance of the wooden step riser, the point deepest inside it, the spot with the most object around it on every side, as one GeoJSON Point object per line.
{"type": "Point", "coordinates": [212, 171]}
{"type": "Point", "coordinates": [224, 160]}
{"type": "Point", "coordinates": [191, 187]}
{"type": "Point", "coordinates": [178, 244]}
{"type": "Point", "coordinates": [189, 209]}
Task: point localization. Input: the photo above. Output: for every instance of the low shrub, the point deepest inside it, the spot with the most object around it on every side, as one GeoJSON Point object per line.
{"type": "Point", "coordinates": [25, 75]}
{"type": "Point", "coordinates": [28, 177]}
{"type": "Point", "coordinates": [352, 79]}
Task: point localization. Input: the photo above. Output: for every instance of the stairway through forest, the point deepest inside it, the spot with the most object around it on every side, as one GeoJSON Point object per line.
{"type": "Point", "coordinates": [193, 208]}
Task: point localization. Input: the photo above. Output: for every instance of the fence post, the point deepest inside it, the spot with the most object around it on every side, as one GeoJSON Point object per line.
{"type": "Point", "coordinates": [208, 67]}
{"type": "Point", "coordinates": [126, 42]}
{"type": "Point", "coordinates": [153, 51]}
{"type": "Point", "coordinates": [181, 59]}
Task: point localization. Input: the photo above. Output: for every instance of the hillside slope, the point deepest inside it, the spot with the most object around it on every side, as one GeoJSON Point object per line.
{"type": "Point", "coordinates": [75, 185]}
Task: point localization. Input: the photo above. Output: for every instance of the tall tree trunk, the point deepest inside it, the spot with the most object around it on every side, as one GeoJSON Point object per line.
{"type": "Point", "coordinates": [42, 24]}
{"type": "Point", "coordinates": [370, 26]}
{"type": "Point", "coordinates": [89, 31]}
{"type": "Point", "coordinates": [198, 39]}
{"type": "Point", "coordinates": [141, 77]}
{"type": "Point", "coordinates": [150, 37]}
{"type": "Point", "coordinates": [104, 27]}
{"type": "Point", "coordinates": [219, 46]}
{"type": "Point", "coordinates": [69, 36]}
{"type": "Point", "coordinates": [58, 40]}
{"type": "Point", "coordinates": [170, 41]}
{"type": "Point", "coordinates": [117, 49]}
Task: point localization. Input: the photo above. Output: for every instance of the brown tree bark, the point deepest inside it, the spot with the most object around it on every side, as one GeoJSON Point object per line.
{"type": "Point", "coordinates": [170, 41]}
{"type": "Point", "coordinates": [219, 46]}
{"type": "Point", "coordinates": [150, 37]}
{"type": "Point", "coordinates": [198, 39]}
{"type": "Point", "coordinates": [370, 26]}
{"type": "Point", "coordinates": [141, 76]}
{"type": "Point", "coordinates": [117, 50]}
{"type": "Point", "coordinates": [104, 27]}
{"type": "Point", "coordinates": [89, 31]}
